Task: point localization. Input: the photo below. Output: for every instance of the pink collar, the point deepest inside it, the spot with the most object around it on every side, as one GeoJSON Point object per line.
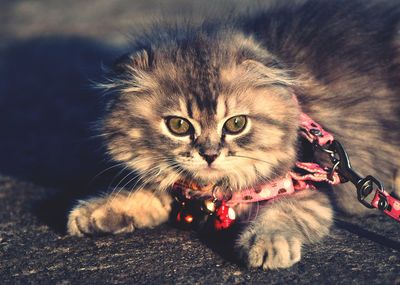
{"type": "Point", "coordinates": [292, 181]}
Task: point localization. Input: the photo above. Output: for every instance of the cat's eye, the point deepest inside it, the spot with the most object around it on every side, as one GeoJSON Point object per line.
{"type": "Point", "coordinates": [235, 125]}
{"type": "Point", "coordinates": [178, 126]}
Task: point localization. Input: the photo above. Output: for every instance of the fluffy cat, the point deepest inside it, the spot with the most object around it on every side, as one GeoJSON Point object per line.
{"type": "Point", "coordinates": [215, 102]}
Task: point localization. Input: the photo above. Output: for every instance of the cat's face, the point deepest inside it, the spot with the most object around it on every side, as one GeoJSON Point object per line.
{"type": "Point", "coordinates": [203, 115]}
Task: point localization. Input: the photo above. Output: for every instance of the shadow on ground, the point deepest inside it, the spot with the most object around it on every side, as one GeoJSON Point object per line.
{"type": "Point", "coordinates": [47, 109]}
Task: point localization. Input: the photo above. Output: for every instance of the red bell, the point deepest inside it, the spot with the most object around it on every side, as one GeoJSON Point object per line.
{"type": "Point", "coordinates": [225, 216]}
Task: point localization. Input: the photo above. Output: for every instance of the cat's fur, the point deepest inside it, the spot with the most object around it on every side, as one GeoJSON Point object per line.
{"type": "Point", "coordinates": [341, 59]}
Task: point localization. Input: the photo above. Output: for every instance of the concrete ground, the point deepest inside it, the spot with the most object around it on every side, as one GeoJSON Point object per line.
{"type": "Point", "coordinates": [49, 53]}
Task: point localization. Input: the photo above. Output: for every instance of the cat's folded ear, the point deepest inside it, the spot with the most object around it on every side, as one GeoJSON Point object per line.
{"type": "Point", "coordinates": [269, 72]}
{"type": "Point", "coordinates": [138, 60]}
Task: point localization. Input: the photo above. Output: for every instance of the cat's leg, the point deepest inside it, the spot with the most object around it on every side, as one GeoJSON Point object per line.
{"type": "Point", "coordinates": [119, 213]}
{"type": "Point", "coordinates": [274, 239]}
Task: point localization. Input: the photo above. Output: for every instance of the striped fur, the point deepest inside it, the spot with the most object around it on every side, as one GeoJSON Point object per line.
{"type": "Point", "coordinates": [343, 67]}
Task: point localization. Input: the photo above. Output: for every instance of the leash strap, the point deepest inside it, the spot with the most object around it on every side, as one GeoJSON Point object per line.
{"type": "Point", "coordinates": [313, 132]}
{"type": "Point", "coordinates": [387, 203]}
{"type": "Point", "coordinates": [370, 191]}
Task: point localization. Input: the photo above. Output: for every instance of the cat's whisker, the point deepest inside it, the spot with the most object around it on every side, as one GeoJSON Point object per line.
{"type": "Point", "coordinates": [148, 172]}
{"type": "Point", "coordinates": [130, 173]}
{"type": "Point", "coordinates": [126, 167]}
{"type": "Point", "coordinates": [253, 158]}
{"type": "Point", "coordinates": [125, 177]}
{"type": "Point", "coordinates": [172, 180]}
{"type": "Point", "coordinates": [137, 161]}
{"type": "Point", "coordinates": [105, 170]}
{"type": "Point", "coordinates": [260, 160]}
{"type": "Point", "coordinates": [116, 176]}
{"type": "Point", "coordinates": [139, 177]}
{"type": "Point", "coordinates": [144, 183]}
{"type": "Point", "coordinates": [174, 176]}
{"type": "Point", "coordinates": [114, 193]}
{"type": "Point", "coordinates": [104, 134]}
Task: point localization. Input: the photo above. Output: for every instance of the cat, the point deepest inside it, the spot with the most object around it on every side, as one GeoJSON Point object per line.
{"type": "Point", "coordinates": [214, 102]}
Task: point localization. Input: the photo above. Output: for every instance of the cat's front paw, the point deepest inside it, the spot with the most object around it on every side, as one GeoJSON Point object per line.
{"type": "Point", "coordinates": [259, 248]}
{"type": "Point", "coordinates": [115, 215]}
{"type": "Point", "coordinates": [91, 219]}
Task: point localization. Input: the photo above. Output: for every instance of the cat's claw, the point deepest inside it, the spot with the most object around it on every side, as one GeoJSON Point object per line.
{"type": "Point", "coordinates": [259, 248]}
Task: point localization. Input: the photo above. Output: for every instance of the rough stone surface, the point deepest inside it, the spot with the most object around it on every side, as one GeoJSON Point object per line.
{"type": "Point", "coordinates": [49, 52]}
{"type": "Point", "coordinates": [32, 252]}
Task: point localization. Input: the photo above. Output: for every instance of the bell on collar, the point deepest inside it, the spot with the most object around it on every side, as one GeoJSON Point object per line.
{"type": "Point", "coordinates": [209, 206]}
{"type": "Point", "coordinates": [188, 214]}
{"type": "Point", "coordinates": [225, 216]}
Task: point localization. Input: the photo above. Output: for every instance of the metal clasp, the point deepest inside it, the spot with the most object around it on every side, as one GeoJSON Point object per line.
{"type": "Point", "coordinates": [222, 187]}
{"type": "Point", "coordinates": [341, 164]}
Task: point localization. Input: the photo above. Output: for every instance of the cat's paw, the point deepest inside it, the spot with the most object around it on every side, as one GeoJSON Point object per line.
{"type": "Point", "coordinates": [258, 248]}
{"type": "Point", "coordinates": [115, 215]}
{"type": "Point", "coordinates": [91, 218]}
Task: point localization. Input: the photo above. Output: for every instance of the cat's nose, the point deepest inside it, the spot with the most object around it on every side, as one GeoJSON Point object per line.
{"type": "Point", "coordinates": [209, 156]}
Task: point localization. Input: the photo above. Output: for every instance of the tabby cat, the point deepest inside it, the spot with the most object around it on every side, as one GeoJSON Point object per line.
{"type": "Point", "coordinates": [214, 102]}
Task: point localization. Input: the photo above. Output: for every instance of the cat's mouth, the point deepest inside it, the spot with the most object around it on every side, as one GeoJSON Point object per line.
{"type": "Point", "coordinates": [210, 168]}
{"type": "Point", "coordinates": [210, 172]}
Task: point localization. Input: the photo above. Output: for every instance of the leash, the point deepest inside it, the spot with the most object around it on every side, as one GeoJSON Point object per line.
{"type": "Point", "coordinates": [370, 191]}
{"type": "Point", "coordinates": [193, 210]}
